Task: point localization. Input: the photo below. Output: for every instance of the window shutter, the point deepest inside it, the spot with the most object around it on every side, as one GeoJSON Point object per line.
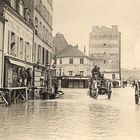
{"type": "Point", "coordinates": [23, 50]}
{"type": "Point", "coordinates": [34, 52]}
{"type": "Point", "coordinates": [18, 47]}
{"type": "Point", "coordinates": [30, 53]}
{"type": "Point", "coordinates": [9, 42]}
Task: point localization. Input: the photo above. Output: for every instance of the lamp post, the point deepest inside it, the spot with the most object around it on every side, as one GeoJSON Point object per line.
{"type": "Point", "coordinates": [48, 74]}
{"type": "Point", "coordinates": [48, 93]}
{"type": "Point", "coordinates": [33, 83]}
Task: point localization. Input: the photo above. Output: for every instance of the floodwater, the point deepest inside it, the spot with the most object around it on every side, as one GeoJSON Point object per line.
{"type": "Point", "coordinates": [76, 116]}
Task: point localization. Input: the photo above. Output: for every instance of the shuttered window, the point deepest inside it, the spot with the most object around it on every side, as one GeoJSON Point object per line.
{"type": "Point", "coordinates": [21, 48]}
{"type": "Point", "coordinates": [34, 53]}
{"type": "Point", "coordinates": [39, 54]}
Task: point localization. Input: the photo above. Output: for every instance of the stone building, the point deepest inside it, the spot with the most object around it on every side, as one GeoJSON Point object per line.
{"type": "Point", "coordinates": [130, 74]}
{"type": "Point", "coordinates": [18, 36]}
{"type": "Point", "coordinates": [42, 48]}
{"type": "Point", "coordinates": [73, 68]}
{"type": "Point", "coordinates": [27, 39]}
{"type": "Point", "coordinates": [105, 50]}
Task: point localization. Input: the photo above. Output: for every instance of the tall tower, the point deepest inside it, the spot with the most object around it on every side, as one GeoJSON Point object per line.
{"type": "Point", "coordinates": [105, 50]}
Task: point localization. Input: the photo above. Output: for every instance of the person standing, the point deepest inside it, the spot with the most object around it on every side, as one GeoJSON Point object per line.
{"type": "Point", "coordinates": [29, 76]}
{"type": "Point", "coordinates": [55, 87]}
{"type": "Point", "coordinates": [22, 75]}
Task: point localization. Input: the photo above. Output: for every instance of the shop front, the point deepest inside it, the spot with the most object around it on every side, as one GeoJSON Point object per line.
{"type": "Point", "coordinates": [74, 82]}
{"type": "Point", "coordinates": [17, 73]}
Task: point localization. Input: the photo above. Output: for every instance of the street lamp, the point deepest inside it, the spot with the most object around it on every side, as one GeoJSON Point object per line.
{"type": "Point", "coordinates": [48, 73]}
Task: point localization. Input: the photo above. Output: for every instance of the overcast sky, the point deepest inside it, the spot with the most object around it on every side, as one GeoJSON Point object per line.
{"type": "Point", "coordinates": [75, 18]}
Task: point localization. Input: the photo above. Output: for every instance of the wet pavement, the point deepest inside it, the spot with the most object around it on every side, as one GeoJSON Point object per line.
{"type": "Point", "coordinates": [76, 116]}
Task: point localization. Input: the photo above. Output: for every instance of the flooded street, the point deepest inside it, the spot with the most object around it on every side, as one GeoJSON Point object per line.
{"type": "Point", "coordinates": [76, 116]}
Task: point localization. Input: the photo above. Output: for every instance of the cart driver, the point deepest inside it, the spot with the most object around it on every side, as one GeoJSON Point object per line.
{"type": "Point", "coordinates": [95, 72]}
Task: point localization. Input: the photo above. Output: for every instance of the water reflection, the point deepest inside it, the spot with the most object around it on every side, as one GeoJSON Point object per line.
{"type": "Point", "coordinates": [74, 117]}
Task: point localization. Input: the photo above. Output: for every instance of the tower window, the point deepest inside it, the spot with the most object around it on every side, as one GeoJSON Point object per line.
{"type": "Point", "coordinates": [71, 61]}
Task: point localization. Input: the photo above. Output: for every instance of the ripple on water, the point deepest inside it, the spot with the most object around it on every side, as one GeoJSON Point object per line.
{"type": "Point", "coordinates": [75, 116]}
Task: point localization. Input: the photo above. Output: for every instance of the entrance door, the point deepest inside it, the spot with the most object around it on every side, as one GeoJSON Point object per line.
{"type": "Point", "coordinates": [70, 84]}
{"type": "Point", "coordinates": [81, 85]}
{"type": "Point", "coordinates": [76, 84]}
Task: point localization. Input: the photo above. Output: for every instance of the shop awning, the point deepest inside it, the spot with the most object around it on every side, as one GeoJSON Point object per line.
{"type": "Point", "coordinates": [17, 63]}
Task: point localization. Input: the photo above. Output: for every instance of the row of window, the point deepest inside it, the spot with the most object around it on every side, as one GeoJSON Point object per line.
{"type": "Point", "coordinates": [40, 54]}
{"type": "Point", "coordinates": [71, 73]}
{"type": "Point", "coordinates": [19, 47]}
{"type": "Point", "coordinates": [71, 61]}
{"type": "Point", "coordinates": [110, 36]}
{"type": "Point", "coordinates": [43, 11]}
{"type": "Point", "coordinates": [18, 5]}
{"type": "Point", "coordinates": [81, 73]}
{"type": "Point", "coordinates": [22, 49]}
{"type": "Point", "coordinates": [42, 31]}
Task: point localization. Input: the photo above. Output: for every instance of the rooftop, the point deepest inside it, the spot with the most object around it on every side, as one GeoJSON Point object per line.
{"type": "Point", "coordinates": [71, 51]}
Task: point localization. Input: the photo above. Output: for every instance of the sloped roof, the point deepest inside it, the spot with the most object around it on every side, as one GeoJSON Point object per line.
{"type": "Point", "coordinates": [59, 42]}
{"type": "Point", "coordinates": [70, 51]}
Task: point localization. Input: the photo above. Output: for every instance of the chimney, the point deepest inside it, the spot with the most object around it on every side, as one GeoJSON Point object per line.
{"type": "Point", "coordinates": [84, 49]}
{"type": "Point", "coordinates": [114, 27]}
{"type": "Point", "coordinates": [94, 28]}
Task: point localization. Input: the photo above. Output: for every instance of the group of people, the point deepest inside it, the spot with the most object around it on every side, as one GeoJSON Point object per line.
{"type": "Point", "coordinates": [25, 76]}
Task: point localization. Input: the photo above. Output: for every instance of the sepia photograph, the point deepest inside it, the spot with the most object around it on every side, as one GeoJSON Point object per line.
{"type": "Point", "coordinates": [69, 69]}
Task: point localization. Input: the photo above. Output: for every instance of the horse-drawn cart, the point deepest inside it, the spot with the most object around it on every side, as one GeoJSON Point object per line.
{"type": "Point", "coordinates": [99, 86]}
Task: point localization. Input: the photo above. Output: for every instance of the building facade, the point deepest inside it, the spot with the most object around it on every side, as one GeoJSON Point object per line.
{"type": "Point", "coordinates": [18, 36]}
{"type": "Point", "coordinates": [27, 39]}
{"type": "Point", "coordinates": [73, 68]}
{"type": "Point", "coordinates": [42, 48]}
{"type": "Point", "coordinates": [105, 50]}
{"type": "Point", "coordinates": [130, 74]}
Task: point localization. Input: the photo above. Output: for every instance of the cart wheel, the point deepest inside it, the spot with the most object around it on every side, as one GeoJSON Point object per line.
{"type": "Point", "coordinates": [137, 93]}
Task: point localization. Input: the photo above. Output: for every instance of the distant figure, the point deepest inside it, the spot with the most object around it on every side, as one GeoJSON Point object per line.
{"type": "Point", "coordinates": [28, 76]}
{"type": "Point", "coordinates": [95, 69]}
{"type": "Point", "coordinates": [22, 75]}
{"type": "Point", "coordinates": [96, 72]}
{"type": "Point", "coordinates": [42, 81]}
{"type": "Point", "coordinates": [55, 87]}
{"type": "Point", "coordinates": [133, 84]}
{"type": "Point", "coordinates": [124, 84]}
